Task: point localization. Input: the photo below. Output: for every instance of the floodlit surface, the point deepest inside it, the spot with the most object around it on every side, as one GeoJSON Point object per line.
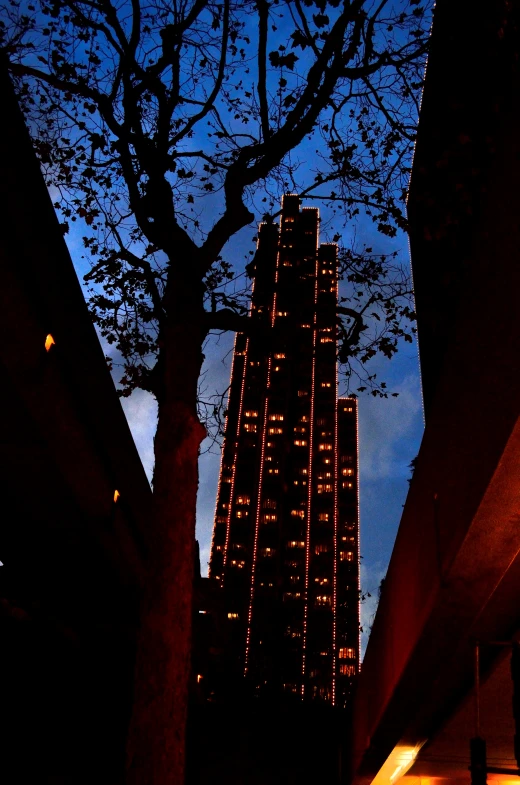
{"type": "Point", "coordinates": [397, 764]}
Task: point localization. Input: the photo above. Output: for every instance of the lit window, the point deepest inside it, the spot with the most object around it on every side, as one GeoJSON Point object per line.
{"type": "Point", "coordinates": [232, 615]}
{"type": "Point", "coordinates": [324, 487]}
{"type": "Point", "coordinates": [347, 472]}
{"type": "Point", "coordinates": [323, 600]}
{"type": "Point", "coordinates": [347, 670]}
{"type": "Point", "coordinates": [242, 513]}
{"type": "Point", "coordinates": [288, 220]}
{"type": "Point", "coordinates": [273, 431]}
{"type": "Point", "coordinates": [324, 475]}
{"type": "Point", "coordinates": [295, 578]}
{"type": "Point", "coordinates": [243, 500]}
{"type": "Point", "coordinates": [302, 393]}
{"type": "Point", "coordinates": [267, 552]}
{"type": "Point", "coordinates": [269, 504]}
{"type": "Point", "coordinates": [221, 519]}
{"type": "Point", "coordinates": [240, 563]}
{"type": "Point", "coordinates": [347, 484]}
{"type": "Point", "coordinates": [298, 513]}
{"type": "Point", "coordinates": [321, 549]}
{"type": "Point", "coordinates": [300, 429]}
{"type": "Point", "coordinates": [323, 516]}
{"type": "Point", "coordinates": [347, 459]}
{"type": "Point", "coordinates": [296, 544]}
{"type": "Point", "coordinates": [300, 442]}
{"type": "Point", "coordinates": [304, 418]}
{"type": "Point", "coordinates": [277, 368]}
{"type": "Point", "coordinates": [326, 339]}
{"type": "Point", "coordinates": [254, 363]}
{"type": "Point", "coordinates": [347, 408]}
{"type": "Point", "coordinates": [346, 556]}
{"type": "Point", "coordinates": [219, 547]}
{"type": "Point", "coordinates": [226, 479]}
{"type": "Point", "coordinates": [347, 654]}
{"type": "Point", "coordinates": [293, 632]}
{"type": "Point", "coordinates": [304, 325]}
{"type": "Point", "coordinates": [291, 595]}
{"type": "Point", "coordinates": [251, 413]}
{"type": "Point", "coordinates": [326, 384]}
{"type": "Point", "coordinates": [327, 460]}
{"type": "Point", "coordinates": [322, 581]}
{"type": "Point", "coordinates": [273, 471]}
{"type": "Point", "coordinates": [276, 417]}
{"type": "Point", "coordinates": [269, 517]}
{"type": "Point", "coordinates": [325, 446]}
{"type": "Point", "coordinates": [282, 313]}
{"type": "Point", "coordinates": [303, 471]}
{"type": "Point", "coordinates": [250, 427]}
{"type": "Point", "coordinates": [279, 356]}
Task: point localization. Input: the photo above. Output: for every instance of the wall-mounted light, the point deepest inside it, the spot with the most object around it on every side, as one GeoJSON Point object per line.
{"type": "Point", "coordinates": [49, 342]}
{"type": "Point", "coordinates": [116, 495]}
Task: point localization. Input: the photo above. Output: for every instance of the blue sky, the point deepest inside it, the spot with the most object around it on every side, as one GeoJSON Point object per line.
{"type": "Point", "coordinates": [390, 431]}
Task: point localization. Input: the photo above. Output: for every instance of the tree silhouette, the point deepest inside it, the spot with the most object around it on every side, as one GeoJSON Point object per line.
{"type": "Point", "coordinates": [166, 128]}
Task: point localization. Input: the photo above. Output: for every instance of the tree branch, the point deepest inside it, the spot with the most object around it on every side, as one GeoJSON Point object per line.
{"type": "Point", "coordinates": [263, 19]}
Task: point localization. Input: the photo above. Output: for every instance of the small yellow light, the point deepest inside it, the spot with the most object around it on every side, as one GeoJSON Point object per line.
{"type": "Point", "coordinates": [116, 495]}
{"type": "Point", "coordinates": [49, 341]}
{"type": "Point", "coordinates": [199, 678]}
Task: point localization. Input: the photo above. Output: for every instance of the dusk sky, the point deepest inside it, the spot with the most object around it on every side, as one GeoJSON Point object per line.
{"type": "Point", "coordinates": [390, 430]}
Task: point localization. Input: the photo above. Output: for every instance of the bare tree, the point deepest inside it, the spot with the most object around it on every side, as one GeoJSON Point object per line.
{"type": "Point", "coordinates": [167, 127]}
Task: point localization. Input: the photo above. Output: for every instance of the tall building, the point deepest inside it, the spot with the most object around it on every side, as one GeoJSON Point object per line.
{"type": "Point", "coordinates": [285, 540]}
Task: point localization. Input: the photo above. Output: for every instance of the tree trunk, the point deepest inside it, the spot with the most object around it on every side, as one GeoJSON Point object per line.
{"type": "Point", "coordinates": [156, 740]}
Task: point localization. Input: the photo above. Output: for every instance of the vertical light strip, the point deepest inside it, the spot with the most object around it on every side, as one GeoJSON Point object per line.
{"type": "Point", "coordinates": [217, 502]}
{"type": "Point", "coordinates": [235, 450]}
{"type": "Point", "coordinates": [309, 485]}
{"type": "Point", "coordinates": [222, 456]}
{"type": "Point", "coordinates": [261, 474]}
{"type": "Point", "coordinates": [335, 544]}
{"type": "Point", "coordinates": [257, 522]}
{"type": "Point", "coordinates": [233, 471]}
{"type": "Point", "coordinates": [358, 539]}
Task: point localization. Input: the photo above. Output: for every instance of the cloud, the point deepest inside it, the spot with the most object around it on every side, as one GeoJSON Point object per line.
{"type": "Point", "coordinates": [384, 429]}
{"type": "Point", "coordinates": [141, 413]}
{"type": "Point", "coordinates": [370, 577]}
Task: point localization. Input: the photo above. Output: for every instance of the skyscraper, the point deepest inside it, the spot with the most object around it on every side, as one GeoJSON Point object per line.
{"type": "Point", "coordinates": [285, 540]}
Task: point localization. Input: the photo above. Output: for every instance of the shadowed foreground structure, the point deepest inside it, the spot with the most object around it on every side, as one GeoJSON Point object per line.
{"type": "Point", "coordinates": [455, 570]}
{"type": "Point", "coordinates": [72, 548]}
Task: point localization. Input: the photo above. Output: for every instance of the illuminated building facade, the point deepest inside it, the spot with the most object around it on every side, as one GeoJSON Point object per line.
{"type": "Point", "coordinates": [285, 541]}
